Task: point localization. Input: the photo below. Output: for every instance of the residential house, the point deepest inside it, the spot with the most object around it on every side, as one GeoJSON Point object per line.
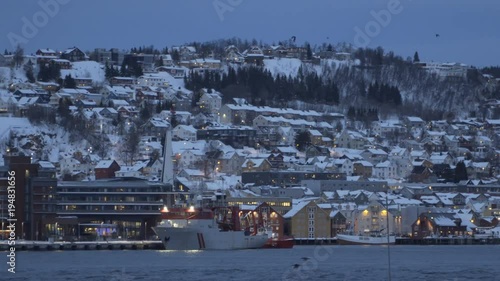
{"type": "Point", "coordinates": [385, 170]}
{"type": "Point", "coordinates": [363, 169]}
{"type": "Point", "coordinates": [210, 102]}
{"type": "Point", "coordinates": [314, 150]}
{"type": "Point", "coordinates": [233, 55]}
{"type": "Point", "coordinates": [125, 111]}
{"type": "Point", "coordinates": [191, 157]}
{"type": "Point", "coordinates": [106, 169]}
{"type": "Point", "coordinates": [441, 158]}
{"type": "Point", "coordinates": [45, 55]}
{"type": "Point", "coordinates": [74, 54]}
{"type": "Point", "coordinates": [478, 170]}
{"type": "Point", "coordinates": [192, 174]}
{"type": "Point", "coordinates": [155, 127]}
{"type": "Point", "coordinates": [154, 79]}
{"type": "Point", "coordinates": [315, 136]}
{"type": "Point", "coordinates": [344, 165]}
{"type": "Point", "coordinates": [413, 122]}
{"type": "Point", "coordinates": [374, 156]}
{"type": "Point", "coordinates": [134, 171]}
{"type": "Point", "coordinates": [185, 52]}
{"type": "Point", "coordinates": [254, 55]}
{"type": "Point", "coordinates": [230, 162]}
{"type": "Point", "coordinates": [338, 222]}
{"type": "Point", "coordinates": [123, 81]}
{"type": "Point", "coordinates": [69, 166]}
{"type": "Point", "coordinates": [350, 139]}
{"type": "Point", "coordinates": [62, 63]}
{"type": "Point", "coordinates": [184, 132]}
{"type": "Point", "coordinates": [438, 225]}
{"type": "Point", "coordinates": [256, 165]}
{"type": "Point", "coordinates": [374, 218]}
{"type": "Point", "coordinates": [276, 160]}
{"type": "Point", "coordinates": [421, 174]}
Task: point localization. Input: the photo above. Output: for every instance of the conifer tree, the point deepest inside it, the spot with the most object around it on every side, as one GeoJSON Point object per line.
{"type": "Point", "coordinates": [416, 58]}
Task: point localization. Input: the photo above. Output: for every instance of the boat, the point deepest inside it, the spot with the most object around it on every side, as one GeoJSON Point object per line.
{"type": "Point", "coordinates": [206, 229]}
{"type": "Point", "coordinates": [276, 243]}
{"type": "Point", "coordinates": [371, 238]}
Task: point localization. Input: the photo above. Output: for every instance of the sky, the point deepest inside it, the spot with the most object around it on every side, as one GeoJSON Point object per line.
{"type": "Point", "coordinates": [468, 29]}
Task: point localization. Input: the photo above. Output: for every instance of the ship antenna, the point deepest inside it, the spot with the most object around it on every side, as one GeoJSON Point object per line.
{"type": "Point", "coordinates": [388, 235]}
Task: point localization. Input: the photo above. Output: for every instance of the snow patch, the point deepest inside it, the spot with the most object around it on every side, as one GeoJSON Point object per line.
{"type": "Point", "coordinates": [86, 69]}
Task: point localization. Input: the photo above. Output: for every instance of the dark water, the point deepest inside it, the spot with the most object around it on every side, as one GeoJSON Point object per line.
{"type": "Point", "coordinates": [327, 263]}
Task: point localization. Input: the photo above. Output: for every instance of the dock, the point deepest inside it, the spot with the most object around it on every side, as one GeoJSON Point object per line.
{"type": "Point", "coordinates": [410, 241]}
{"type": "Point", "coordinates": [24, 245]}
{"type": "Point", "coordinates": [448, 241]}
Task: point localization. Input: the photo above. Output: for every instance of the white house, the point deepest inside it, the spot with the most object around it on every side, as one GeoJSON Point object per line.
{"type": "Point", "coordinates": [211, 102]}
{"type": "Point", "coordinates": [184, 132]}
{"type": "Point", "coordinates": [385, 170]}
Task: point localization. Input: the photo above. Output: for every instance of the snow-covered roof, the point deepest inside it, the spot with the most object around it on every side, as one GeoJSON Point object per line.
{"type": "Point", "coordinates": [104, 164]}
{"type": "Point", "coordinates": [295, 209]}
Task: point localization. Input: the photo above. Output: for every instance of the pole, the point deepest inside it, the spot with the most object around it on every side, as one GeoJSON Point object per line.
{"type": "Point", "coordinates": [388, 236]}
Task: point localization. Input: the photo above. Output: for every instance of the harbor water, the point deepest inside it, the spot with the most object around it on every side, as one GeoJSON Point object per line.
{"type": "Point", "coordinates": [332, 262]}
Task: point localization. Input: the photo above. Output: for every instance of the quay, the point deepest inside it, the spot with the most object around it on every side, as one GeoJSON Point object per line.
{"type": "Point", "coordinates": [448, 241]}
{"type": "Point", "coordinates": [410, 241]}
{"type": "Point", "coordinates": [24, 245]}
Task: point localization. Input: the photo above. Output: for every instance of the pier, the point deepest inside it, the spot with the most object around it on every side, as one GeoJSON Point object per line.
{"type": "Point", "coordinates": [410, 241]}
{"type": "Point", "coordinates": [448, 241]}
{"type": "Point", "coordinates": [24, 245]}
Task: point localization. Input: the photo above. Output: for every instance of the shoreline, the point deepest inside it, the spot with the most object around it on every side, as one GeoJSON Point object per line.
{"type": "Point", "coordinates": [25, 245]}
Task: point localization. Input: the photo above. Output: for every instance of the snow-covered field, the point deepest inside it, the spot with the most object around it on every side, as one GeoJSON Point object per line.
{"type": "Point", "coordinates": [86, 69]}
{"type": "Point", "coordinates": [283, 66]}
{"type": "Point", "coordinates": [7, 77]}
{"type": "Point", "coordinates": [290, 66]}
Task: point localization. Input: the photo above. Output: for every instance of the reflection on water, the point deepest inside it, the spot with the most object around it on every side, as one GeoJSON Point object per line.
{"type": "Point", "coordinates": [309, 263]}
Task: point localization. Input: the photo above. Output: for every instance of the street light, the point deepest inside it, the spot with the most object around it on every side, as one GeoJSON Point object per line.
{"type": "Point", "coordinates": [145, 228]}
{"type": "Point", "coordinates": [22, 230]}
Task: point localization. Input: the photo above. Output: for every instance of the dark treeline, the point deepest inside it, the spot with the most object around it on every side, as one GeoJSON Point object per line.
{"type": "Point", "coordinates": [261, 88]}
{"type": "Point", "coordinates": [384, 93]}
{"type": "Point", "coordinates": [492, 70]}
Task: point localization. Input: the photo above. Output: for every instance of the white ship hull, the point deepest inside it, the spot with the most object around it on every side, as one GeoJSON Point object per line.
{"type": "Point", "coordinates": [344, 239]}
{"type": "Point", "coordinates": [205, 235]}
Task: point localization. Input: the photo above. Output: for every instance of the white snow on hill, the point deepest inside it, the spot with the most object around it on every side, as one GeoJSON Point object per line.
{"type": "Point", "coordinates": [86, 69]}
{"type": "Point", "coordinates": [176, 84]}
{"type": "Point", "coordinates": [9, 123]}
{"type": "Point", "coordinates": [283, 66]}
{"type": "Point", "coordinates": [290, 67]}
{"type": "Point", "coordinates": [5, 76]}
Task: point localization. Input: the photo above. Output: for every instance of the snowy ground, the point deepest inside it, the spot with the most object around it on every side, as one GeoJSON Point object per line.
{"type": "Point", "coordinates": [86, 69]}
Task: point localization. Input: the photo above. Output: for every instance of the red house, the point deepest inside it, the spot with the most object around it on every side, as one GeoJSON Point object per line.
{"type": "Point", "coordinates": [106, 169]}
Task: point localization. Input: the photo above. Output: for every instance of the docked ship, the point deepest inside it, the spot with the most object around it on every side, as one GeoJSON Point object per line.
{"type": "Point", "coordinates": [373, 238]}
{"type": "Point", "coordinates": [279, 243]}
{"type": "Point", "coordinates": [206, 229]}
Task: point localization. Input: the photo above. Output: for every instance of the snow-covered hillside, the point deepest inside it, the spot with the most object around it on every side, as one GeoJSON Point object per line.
{"type": "Point", "coordinates": [86, 69]}
{"type": "Point", "coordinates": [290, 67]}
{"type": "Point", "coordinates": [7, 77]}
{"type": "Point", "coordinates": [283, 66]}
{"type": "Point", "coordinates": [42, 141]}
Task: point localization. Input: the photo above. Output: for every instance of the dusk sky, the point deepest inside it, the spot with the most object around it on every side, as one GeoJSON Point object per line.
{"type": "Point", "coordinates": [468, 29]}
